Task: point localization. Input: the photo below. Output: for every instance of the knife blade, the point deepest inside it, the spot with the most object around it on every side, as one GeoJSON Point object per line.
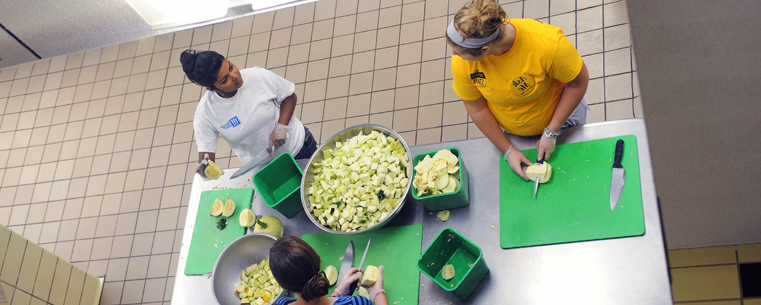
{"type": "Point", "coordinates": [261, 156]}
{"type": "Point", "coordinates": [617, 177]}
{"type": "Point", "coordinates": [536, 181]}
{"type": "Point", "coordinates": [347, 263]}
{"type": "Point", "coordinates": [354, 284]}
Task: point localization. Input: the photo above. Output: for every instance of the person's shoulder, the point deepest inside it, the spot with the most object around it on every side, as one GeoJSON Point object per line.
{"type": "Point", "coordinates": [538, 29]}
{"type": "Point", "coordinates": [255, 71]}
{"type": "Point", "coordinates": [283, 301]}
{"type": "Point", "coordinates": [352, 300]}
{"type": "Point", "coordinates": [204, 101]}
{"type": "Point", "coordinates": [459, 64]}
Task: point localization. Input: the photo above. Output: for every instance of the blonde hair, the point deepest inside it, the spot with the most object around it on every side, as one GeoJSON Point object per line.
{"type": "Point", "coordinates": [479, 19]}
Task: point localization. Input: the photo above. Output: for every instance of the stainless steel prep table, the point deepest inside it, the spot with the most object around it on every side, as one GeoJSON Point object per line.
{"type": "Point", "coordinates": [613, 271]}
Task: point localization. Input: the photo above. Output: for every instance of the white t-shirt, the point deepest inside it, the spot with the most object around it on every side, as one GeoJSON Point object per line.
{"type": "Point", "coordinates": [247, 119]}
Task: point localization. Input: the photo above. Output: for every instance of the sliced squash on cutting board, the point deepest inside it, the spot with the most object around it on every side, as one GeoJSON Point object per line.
{"type": "Point", "coordinates": [217, 208]}
{"type": "Point", "coordinates": [229, 208]}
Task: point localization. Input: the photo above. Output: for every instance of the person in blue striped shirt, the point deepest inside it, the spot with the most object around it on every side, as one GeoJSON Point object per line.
{"type": "Point", "coordinates": [296, 267]}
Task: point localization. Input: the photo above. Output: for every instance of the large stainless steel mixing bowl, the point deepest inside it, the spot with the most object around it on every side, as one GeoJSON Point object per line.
{"type": "Point", "coordinates": [241, 253]}
{"type": "Point", "coordinates": [342, 136]}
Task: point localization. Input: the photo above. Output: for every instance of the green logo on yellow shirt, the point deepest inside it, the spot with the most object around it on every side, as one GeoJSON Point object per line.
{"type": "Point", "coordinates": [479, 78]}
{"type": "Point", "coordinates": [522, 85]}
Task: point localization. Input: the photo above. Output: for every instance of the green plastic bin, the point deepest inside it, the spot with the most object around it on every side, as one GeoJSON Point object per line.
{"type": "Point", "coordinates": [440, 202]}
{"type": "Point", "coordinates": [450, 247]}
{"type": "Point", "coordinates": [278, 183]}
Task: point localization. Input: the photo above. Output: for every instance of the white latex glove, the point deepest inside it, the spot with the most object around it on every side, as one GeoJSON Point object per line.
{"type": "Point", "coordinates": [377, 288]}
{"type": "Point", "coordinates": [353, 275]}
{"type": "Point", "coordinates": [514, 157]}
{"type": "Point", "coordinates": [546, 146]}
{"type": "Point", "coordinates": [278, 136]}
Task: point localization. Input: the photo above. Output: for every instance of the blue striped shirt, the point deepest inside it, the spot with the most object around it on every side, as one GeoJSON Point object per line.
{"type": "Point", "coordinates": [342, 300]}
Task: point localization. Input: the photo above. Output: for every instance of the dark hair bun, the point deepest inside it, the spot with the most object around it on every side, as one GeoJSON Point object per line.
{"type": "Point", "coordinates": [316, 287]}
{"type": "Point", "coordinates": [188, 60]}
{"type": "Point", "coordinates": [201, 67]}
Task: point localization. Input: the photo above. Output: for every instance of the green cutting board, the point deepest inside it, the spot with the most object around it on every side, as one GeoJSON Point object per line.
{"type": "Point", "coordinates": [208, 242]}
{"type": "Point", "coordinates": [575, 204]}
{"type": "Point", "coordinates": [397, 249]}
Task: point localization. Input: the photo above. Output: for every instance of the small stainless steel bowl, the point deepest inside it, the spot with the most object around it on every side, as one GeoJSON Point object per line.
{"type": "Point", "coordinates": [241, 253]}
{"type": "Point", "coordinates": [342, 136]}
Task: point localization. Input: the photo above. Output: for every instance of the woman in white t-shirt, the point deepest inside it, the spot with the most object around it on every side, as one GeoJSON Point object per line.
{"type": "Point", "coordinates": [252, 109]}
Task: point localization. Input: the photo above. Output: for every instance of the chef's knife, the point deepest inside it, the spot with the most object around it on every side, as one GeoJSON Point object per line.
{"type": "Point", "coordinates": [536, 181]}
{"type": "Point", "coordinates": [261, 156]}
{"type": "Point", "coordinates": [618, 176]}
{"type": "Point", "coordinates": [354, 284]}
{"type": "Point", "coordinates": [347, 263]}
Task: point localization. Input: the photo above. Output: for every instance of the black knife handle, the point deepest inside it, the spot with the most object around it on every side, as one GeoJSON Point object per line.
{"type": "Point", "coordinates": [353, 286]}
{"type": "Point", "coordinates": [540, 161]}
{"type": "Point", "coordinates": [619, 154]}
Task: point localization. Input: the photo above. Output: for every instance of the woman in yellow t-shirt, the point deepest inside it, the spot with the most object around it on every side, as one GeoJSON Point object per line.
{"type": "Point", "coordinates": [520, 75]}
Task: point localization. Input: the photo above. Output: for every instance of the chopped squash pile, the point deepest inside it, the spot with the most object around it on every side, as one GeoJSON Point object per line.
{"type": "Point", "coordinates": [359, 183]}
{"type": "Point", "coordinates": [257, 285]}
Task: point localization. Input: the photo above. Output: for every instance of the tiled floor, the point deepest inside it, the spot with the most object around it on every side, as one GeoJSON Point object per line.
{"type": "Point", "coordinates": [711, 275]}
{"type": "Point", "coordinates": [97, 152]}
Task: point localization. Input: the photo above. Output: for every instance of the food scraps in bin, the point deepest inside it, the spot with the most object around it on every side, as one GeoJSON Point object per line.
{"type": "Point", "coordinates": [437, 175]}
{"type": "Point", "coordinates": [447, 272]}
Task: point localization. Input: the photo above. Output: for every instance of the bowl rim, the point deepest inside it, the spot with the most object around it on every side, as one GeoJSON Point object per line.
{"type": "Point", "coordinates": [214, 270]}
{"type": "Point", "coordinates": [320, 149]}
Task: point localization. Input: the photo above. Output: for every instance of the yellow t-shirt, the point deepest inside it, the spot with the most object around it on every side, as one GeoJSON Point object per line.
{"type": "Point", "coordinates": [522, 86]}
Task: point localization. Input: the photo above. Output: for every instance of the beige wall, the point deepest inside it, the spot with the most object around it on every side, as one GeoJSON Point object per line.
{"type": "Point", "coordinates": [31, 275]}
{"type": "Point", "coordinates": [699, 65]}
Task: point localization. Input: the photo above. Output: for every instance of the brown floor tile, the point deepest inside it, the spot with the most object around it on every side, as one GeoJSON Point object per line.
{"type": "Point", "coordinates": [24, 194]}
{"type": "Point", "coordinates": [159, 156]}
{"type": "Point", "coordinates": [82, 167]}
{"type": "Point", "coordinates": [361, 83]}
{"type": "Point", "coordinates": [133, 291]}
{"type": "Point", "coordinates": [86, 228]}
{"type": "Point", "coordinates": [41, 192]}
{"type": "Point", "coordinates": [36, 213]}
{"type": "Point", "coordinates": [330, 128]}
{"type": "Point", "coordinates": [702, 256]}
{"type": "Point", "coordinates": [749, 253]}
{"type": "Point", "coordinates": [431, 93]}
{"type": "Point", "coordinates": [146, 221]}
{"type": "Point", "coordinates": [142, 243]}
{"type": "Point", "coordinates": [137, 267]}
{"type": "Point", "coordinates": [429, 116]}
{"type": "Point", "coordinates": [705, 283]}
{"type": "Point", "coordinates": [382, 101]}
{"type": "Point", "coordinates": [100, 165]}
{"type": "Point", "coordinates": [154, 290]}
{"type": "Point", "coordinates": [122, 245]}
{"type": "Point", "coordinates": [171, 197]}
{"type": "Point", "coordinates": [82, 250]}
{"type": "Point", "coordinates": [96, 185]}
{"type": "Point", "coordinates": [358, 105]}
{"type": "Point", "coordinates": [64, 250]}
{"type": "Point", "coordinates": [117, 269]}
{"type": "Point", "coordinates": [408, 75]}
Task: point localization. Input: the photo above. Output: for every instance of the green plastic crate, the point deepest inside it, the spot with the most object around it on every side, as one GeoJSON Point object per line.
{"type": "Point", "coordinates": [450, 247]}
{"type": "Point", "coordinates": [278, 183]}
{"type": "Point", "coordinates": [440, 202]}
